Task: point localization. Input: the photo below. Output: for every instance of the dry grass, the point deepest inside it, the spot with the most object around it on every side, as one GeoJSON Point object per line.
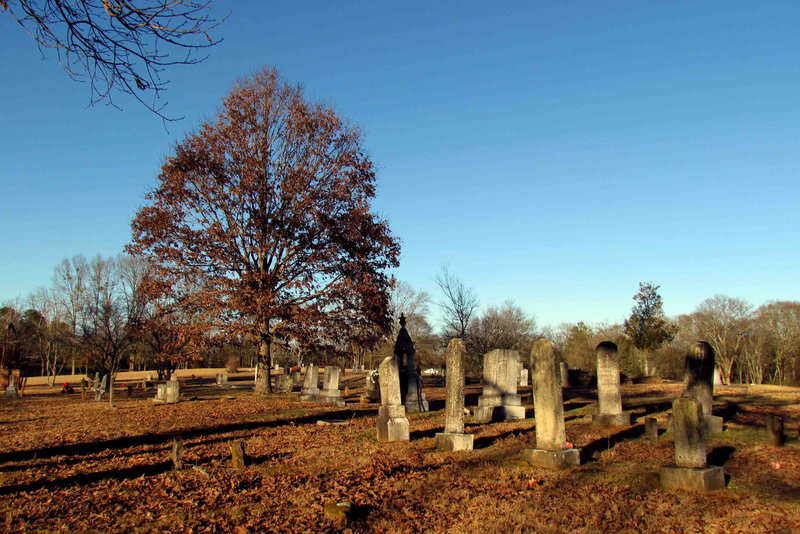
{"type": "Point", "coordinates": [73, 465]}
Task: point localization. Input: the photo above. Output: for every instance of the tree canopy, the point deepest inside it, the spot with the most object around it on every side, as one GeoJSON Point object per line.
{"type": "Point", "coordinates": [266, 210]}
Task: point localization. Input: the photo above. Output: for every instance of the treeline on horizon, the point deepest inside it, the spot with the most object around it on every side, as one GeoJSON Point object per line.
{"type": "Point", "coordinates": [96, 316]}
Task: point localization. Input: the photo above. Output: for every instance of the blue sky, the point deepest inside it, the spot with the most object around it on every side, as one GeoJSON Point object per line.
{"type": "Point", "coordinates": [554, 154]}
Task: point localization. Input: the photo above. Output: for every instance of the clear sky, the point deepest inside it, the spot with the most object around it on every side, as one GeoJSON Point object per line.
{"type": "Point", "coordinates": [554, 153]}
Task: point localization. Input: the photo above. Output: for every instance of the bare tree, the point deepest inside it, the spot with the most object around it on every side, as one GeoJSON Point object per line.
{"type": "Point", "coordinates": [116, 44]}
{"type": "Point", "coordinates": [779, 325]}
{"type": "Point", "coordinates": [69, 286]}
{"type": "Point", "coordinates": [51, 335]}
{"type": "Point", "coordinates": [504, 327]}
{"type": "Point", "coordinates": [458, 306]}
{"type": "Point", "coordinates": [724, 322]}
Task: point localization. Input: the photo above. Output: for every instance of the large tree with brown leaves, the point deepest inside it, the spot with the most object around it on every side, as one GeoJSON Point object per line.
{"type": "Point", "coordinates": [267, 209]}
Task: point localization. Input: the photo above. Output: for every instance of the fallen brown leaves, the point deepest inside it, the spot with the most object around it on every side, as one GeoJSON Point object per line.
{"type": "Point", "coordinates": [78, 466]}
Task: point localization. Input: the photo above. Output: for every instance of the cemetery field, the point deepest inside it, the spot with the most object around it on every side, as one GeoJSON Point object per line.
{"type": "Point", "coordinates": [79, 466]}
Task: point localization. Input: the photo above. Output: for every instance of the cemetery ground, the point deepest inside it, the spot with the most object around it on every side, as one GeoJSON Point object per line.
{"type": "Point", "coordinates": [78, 466]}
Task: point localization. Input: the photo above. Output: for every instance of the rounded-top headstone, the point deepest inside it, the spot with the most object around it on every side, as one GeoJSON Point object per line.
{"type": "Point", "coordinates": [608, 393]}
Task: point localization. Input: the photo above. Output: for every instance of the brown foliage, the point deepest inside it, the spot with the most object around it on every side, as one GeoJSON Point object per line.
{"type": "Point", "coordinates": [266, 209]}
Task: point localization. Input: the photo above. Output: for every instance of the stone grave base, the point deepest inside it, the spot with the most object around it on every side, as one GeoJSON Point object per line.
{"type": "Point", "coordinates": [454, 442]}
{"type": "Point", "coordinates": [309, 394]}
{"type": "Point", "coordinates": [412, 406]}
{"type": "Point", "coordinates": [695, 479]}
{"type": "Point", "coordinates": [499, 413]}
{"type": "Point", "coordinates": [393, 424]}
{"type": "Point", "coordinates": [605, 419]}
{"type": "Point", "coordinates": [553, 459]}
{"type": "Point", "coordinates": [712, 424]}
{"type": "Point", "coordinates": [330, 398]}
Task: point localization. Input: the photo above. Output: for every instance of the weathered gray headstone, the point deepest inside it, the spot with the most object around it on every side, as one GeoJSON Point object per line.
{"type": "Point", "coordinates": [161, 393]}
{"type": "Point", "coordinates": [372, 387]}
{"type": "Point", "coordinates": [651, 428]}
{"type": "Point", "coordinates": [523, 377]}
{"type": "Point", "coordinates": [173, 390]}
{"type": "Point", "coordinates": [563, 374]}
{"type": "Point", "coordinates": [691, 471]}
{"type": "Point", "coordinates": [283, 383]}
{"type": "Point", "coordinates": [551, 441]}
{"type": "Point", "coordinates": [330, 393]}
{"type": "Point", "coordinates": [99, 386]}
{"type": "Point", "coordinates": [392, 421]}
{"type": "Point", "coordinates": [775, 435]}
{"type": "Point", "coordinates": [499, 400]}
{"type": "Point", "coordinates": [296, 379]}
{"type": "Point", "coordinates": [310, 388]}
{"type": "Point", "coordinates": [453, 438]}
{"type": "Point", "coordinates": [222, 380]}
{"type": "Point", "coordinates": [609, 397]}
{"type": "Point", "coordinates": [699, 383]}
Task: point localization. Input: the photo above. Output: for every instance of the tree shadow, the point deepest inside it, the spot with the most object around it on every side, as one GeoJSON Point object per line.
{"type": "Point", "coordinates": [488, 441]}
{"type": "Point", "coordinates": [126, 442]}
{"type": "Point", "coordinates": [127, 473]}
{"type": "Point", "coordinates": [602, 444]}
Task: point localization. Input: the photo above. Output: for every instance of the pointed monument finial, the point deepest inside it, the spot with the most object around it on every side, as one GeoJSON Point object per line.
{"type": "Point", "coordinates": [402, 320]}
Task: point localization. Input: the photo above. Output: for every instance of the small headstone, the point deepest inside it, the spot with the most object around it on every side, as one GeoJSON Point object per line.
{"type": "Point", "coordinates": [551, 440]}
{"type": "Point", "coordinates": [237, 455]}
{"type": "Point", "coordinates": [222, 380]}
{"type": "Point", "coordinates": [523, 377]}
{"type": "Point", "coordinates": [161, 393]}
{"type": "Point", "coordinates": [330, 393]}
{"type": "Point", "coordinates": [563, 374]}
{"type": "Point", "coordinates": [609, 397]}
{"type": "Point", "coordinates": [699, 383]}
{"type": "Point", "coordinates": [775, 435]}
{"type": "Point", "coordinates": [453, 438]}
{"type": "Point", "coordinates": [283, 383]}
{"type": "Point", "coordinates": [499, 400]}
{"type": "Point", "coordinates": [310, 388]}
{"type": "Point", "coordinates": [392, 421]}
{"type": "Point", "coordinates": [691, 471]}
{"type": "Point", "coordinates": [651, 428]}
{"type": "Point", "coordinates": [296, 379]}
{"type": "Point", "coordinates": [11, 390]}
{"type": "Point", "coordinates": [372, 392]}
{"type": "Point", "coordinates": [173, 390]}
{"type": "Point", "coordinates": [177, 453]}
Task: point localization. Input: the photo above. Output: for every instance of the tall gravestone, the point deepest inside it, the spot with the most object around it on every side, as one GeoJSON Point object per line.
{"type": "Point", "coordinates": [690, 472]}
{"type": "Point", "coordinates": [310, 388]}
{"type": "Point", "coordinates": [551, 440]}
{"type": "Point", "coordinates": [392, 420]}
{"type": "Point", "coordinates": [411, 385]}
{"type": "Point", "coordinates": [698, 380]}
{"type": "Point", "coordinates": [173, 390]}
{"type": "Point", "coordinates": [609, 397]}
{"type": "Point", "coordinates": [499, 400]}
{"type": "Point", "coordinates": [453, 438]}
{"type": "Point", "coordinates": [563, 374]}
{"type": "Point", "coordinates": [330, 393]}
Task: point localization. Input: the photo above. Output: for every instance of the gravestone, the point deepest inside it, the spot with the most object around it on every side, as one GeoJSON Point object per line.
{"type": "Point", "coordinates": [238, 458]}
{"type": "Point", "coordinates": [651, 428]}
{"type": "Point", "coordinates": [173, 390]}
{"type": "Point", "coordinates": [310, 388]}
{"type": "Point", "coordinates": [372, 392]}
{"type": "Point", "coordinates": [330, 393]}
{"type": "Point", "coordinates": [100, 388]}
{"type": "Point", "coordinates": [609, 398]}
{"type": "Point", "coordinates": [283, 383]}
{"type": "Point", "coordinates": [690, 472]}
{"type": "Point", "coordinates": [296, 379]}
{"type": "Point", "coordinates": [453, 438]}
{"type": "Point", "coordinates": [161, 393]}
{"type": "Point", "coordinates": [222, 380]}
{"type": "Point", "coordinates": [410, 382]}
{"type": "Point", "coordinates": [563, 374]}
{"type": "Point", "coordinates": [775, 435]}
{"type": "Point", "coordinates": [499, 400]}
{"type": "Point", "coordinates": [523, 377]}
{"type": "Point", "coordinates": [392, 421]}
{"type": "Point", "coordinates": [177, 453]}
{"type": "Point", "coordinates": [698, 380]}
{"type": "Point", "coordinates": [11, 389]}
{"type": "Point", "coordinates": [551, 440]}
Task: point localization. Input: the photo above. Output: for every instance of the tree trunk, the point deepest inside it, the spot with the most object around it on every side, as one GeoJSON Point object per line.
{"type": "Point", "coordinates": [646, 363]}
{"type": "Point", "coordinates": [263, 383]}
